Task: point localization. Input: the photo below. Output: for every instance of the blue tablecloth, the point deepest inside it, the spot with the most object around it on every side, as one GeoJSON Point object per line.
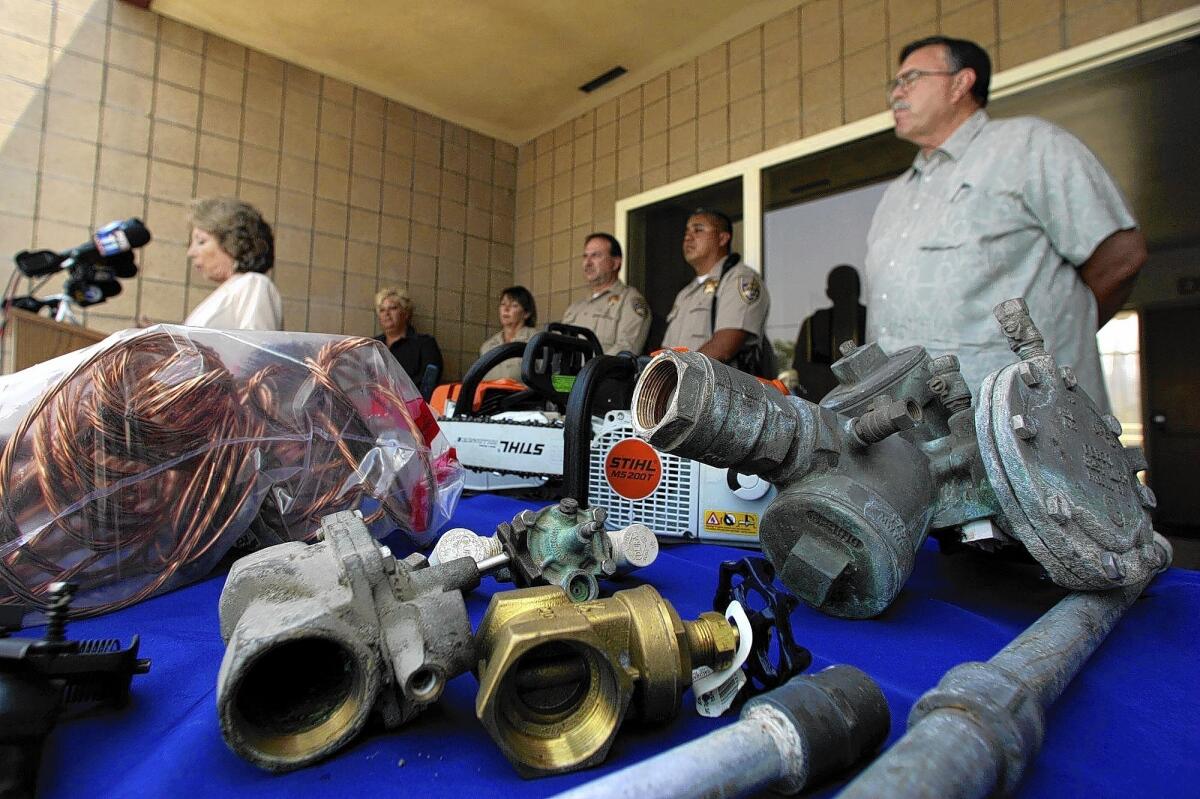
{"type": "Point", "coordinates": [1127, 726]}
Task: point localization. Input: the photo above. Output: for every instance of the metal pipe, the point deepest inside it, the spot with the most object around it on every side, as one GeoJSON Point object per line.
{"type": "Point", "coordinates": [492, 563]}
{"type": "Point", "coordinates": [974, 734]}
{"type": "Point", "coordinates": [691, 406]}
{"type": "Point", "coordinates": [801, 732]}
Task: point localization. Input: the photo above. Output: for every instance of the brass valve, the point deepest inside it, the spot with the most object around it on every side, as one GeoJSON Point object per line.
{"type": "Point", "coordinates": [557, 678]}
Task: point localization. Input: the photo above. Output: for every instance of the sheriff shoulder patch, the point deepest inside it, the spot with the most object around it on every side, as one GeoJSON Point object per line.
{"type": "Point", "coordinates": [641, 308]}
{"type": "Point", "coordinates": [750, 289]}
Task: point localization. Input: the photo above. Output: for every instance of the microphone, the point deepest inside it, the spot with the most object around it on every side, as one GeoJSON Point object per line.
{"type": "Point", "coordinates": [88, 285]}
{"type": "Point", "coordinates": [109, 245]}
{"type": "Point", "coordinates": [120, 265]}
{"type": "Point", "coordinates": [115, 238]}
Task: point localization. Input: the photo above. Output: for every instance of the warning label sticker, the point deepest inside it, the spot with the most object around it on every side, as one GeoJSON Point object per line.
{"type": "Point", "coordinates": [633, 468]}
{"type": "Point", "coordinates": [731, 521]}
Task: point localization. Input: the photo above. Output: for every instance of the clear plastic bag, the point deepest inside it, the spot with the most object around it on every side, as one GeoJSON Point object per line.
{"type": "Point", "coordinates": [132, 466]}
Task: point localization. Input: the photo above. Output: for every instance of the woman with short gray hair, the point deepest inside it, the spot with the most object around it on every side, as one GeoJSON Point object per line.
{"type": "Point", "coordinates": [232, 245]}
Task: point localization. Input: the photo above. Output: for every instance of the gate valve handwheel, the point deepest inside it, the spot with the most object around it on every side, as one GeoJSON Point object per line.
{"type": "Point", "coordinates": [751, 582]}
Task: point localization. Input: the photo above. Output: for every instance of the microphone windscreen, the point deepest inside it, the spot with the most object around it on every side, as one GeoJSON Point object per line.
{"type": "Point", "coordinates": [121, 265]}
{"type": "Point", "coordinates": [38, 262]}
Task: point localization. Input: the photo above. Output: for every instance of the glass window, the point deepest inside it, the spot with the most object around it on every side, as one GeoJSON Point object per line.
{"type": "Point", "coordinates": [1120, 359]}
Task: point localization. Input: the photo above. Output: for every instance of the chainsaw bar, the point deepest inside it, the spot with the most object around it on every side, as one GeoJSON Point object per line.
{"type": "Point", "coordinates": [507, 446]}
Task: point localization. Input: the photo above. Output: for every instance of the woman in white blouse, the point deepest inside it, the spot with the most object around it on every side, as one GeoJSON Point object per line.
{"type": "Point", "coordinates": [232, 245]}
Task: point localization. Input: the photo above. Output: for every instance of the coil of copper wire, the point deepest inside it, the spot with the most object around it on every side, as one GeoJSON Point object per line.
{"type": "Point", "coordinates": [152, 452]}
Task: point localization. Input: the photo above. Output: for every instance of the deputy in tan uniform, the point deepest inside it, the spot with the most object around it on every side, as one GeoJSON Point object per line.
{"type": "Point", "coordinates": [616, 313]}
{"type": "Point", "coordinates": [741, 298]}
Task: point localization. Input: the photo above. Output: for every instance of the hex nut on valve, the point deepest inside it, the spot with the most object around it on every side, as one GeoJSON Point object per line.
{"type": "Point", "coordinates": [1024, 427]}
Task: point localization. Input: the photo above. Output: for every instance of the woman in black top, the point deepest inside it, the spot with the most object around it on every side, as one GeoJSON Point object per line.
{"type": "Point", "coordinates": [416, 352]}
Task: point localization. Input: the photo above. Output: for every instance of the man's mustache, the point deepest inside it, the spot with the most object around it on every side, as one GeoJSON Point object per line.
{"type": "Point", "coordinates": [900, 105]}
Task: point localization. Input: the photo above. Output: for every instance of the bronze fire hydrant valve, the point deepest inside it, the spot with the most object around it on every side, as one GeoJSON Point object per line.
{"type": "Point", "coordinates": [321, 637]}
{"type": "Point", "coordinates": [557, 678]}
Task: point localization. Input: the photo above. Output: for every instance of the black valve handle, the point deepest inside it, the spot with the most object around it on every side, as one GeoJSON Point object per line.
{"type": "Point", "coordinates": [751, 581]}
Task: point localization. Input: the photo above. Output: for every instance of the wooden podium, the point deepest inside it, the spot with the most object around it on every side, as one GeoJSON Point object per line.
{"type": "Point", "coordinates": [39, 338]}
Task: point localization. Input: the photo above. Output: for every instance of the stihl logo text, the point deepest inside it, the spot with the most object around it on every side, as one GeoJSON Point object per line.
{"type": "Point", "coordinates": [522, 447]}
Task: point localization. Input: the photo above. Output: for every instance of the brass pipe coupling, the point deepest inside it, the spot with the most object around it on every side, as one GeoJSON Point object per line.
{"type": "Point", "coordinates": [562, 545]}
{"type": "Point", "coordinates": [321, 636]}
{"type": "Point", "coordinates": [558, 678]}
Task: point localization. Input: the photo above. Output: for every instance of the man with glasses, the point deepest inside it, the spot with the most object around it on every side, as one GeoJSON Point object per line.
{"type": "Point", "coordinates": [992, 209]}
{"type": "Point", "coordinates": [723, 312]}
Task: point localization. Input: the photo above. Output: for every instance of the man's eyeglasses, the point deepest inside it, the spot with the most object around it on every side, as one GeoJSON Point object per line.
{"type": "Point", "coordinates": [907, 79]}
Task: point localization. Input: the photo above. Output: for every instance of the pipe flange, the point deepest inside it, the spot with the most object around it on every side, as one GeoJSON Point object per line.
{"type": "Point", "coordinates": [1061, 477]}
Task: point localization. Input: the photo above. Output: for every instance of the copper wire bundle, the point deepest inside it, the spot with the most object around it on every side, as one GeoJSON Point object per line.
{"type": "Point", "coordinates": [151, 455]}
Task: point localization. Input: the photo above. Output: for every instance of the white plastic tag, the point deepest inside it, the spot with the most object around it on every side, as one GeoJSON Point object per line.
{"type": "Point", "coordinates": [715, 691]}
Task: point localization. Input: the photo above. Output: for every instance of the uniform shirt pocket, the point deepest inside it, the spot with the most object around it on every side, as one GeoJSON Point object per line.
{"type": "Point", "coordinates": [606, 323]}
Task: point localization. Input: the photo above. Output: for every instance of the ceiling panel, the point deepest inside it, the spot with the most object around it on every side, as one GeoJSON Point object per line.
{"type": "Point", "coordinates": [509, 69]}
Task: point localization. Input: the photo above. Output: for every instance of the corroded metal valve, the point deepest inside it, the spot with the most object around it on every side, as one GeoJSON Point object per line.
{"type": "Point", "coordinates": [321, 636]}
{"type": "Point", "coordinates": [557, 678]}
{"type": "Point", "coordinates": [562, 545]}
{"type": "Point", "coordinates": [898, 450]}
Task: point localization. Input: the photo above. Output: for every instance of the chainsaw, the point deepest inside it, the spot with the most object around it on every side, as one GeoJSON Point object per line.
{"type": "Point", "coordinates": [567, 430]}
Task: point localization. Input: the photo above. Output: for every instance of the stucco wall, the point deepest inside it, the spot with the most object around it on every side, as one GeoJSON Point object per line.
{"type": "Point", "coordinates": [108, 111]}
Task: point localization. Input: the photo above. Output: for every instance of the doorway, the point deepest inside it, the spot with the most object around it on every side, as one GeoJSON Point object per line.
{"type": "Point", "coordinates": [654, 255]}
{"type": "Point", "coordinates": [1171, 381]}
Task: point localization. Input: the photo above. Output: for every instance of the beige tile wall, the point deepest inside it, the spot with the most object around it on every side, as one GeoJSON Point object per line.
{"type": "Point", "coordinates": [107, 111]}
{"type": "Point", "coordinates": [819, 66]}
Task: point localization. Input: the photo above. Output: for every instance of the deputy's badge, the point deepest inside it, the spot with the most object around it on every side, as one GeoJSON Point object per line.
{"type": "Point", "coordinates": [613, 299]}
{"type": "Point", "coordinates": [750, 289]}
{"type": "Point", "coordinates": [710, 287]}
{"type": "Point", "coordinates": [641, 308]}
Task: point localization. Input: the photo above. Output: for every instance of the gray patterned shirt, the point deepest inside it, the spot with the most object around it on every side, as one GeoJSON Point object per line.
{"type": "Point", "coordinates": [1004, 208]}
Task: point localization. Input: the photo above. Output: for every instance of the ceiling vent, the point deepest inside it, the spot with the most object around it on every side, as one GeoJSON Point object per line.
{"type": "Point", "coordinates": [600, 80]}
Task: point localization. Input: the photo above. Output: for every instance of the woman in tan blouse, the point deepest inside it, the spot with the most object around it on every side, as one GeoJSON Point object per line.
{"type": "Point", "coordinates": [518, 317]}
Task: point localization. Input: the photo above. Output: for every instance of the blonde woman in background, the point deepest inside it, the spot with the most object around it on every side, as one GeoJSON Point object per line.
{"type": "Point", "coordinates": [415, 351]}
